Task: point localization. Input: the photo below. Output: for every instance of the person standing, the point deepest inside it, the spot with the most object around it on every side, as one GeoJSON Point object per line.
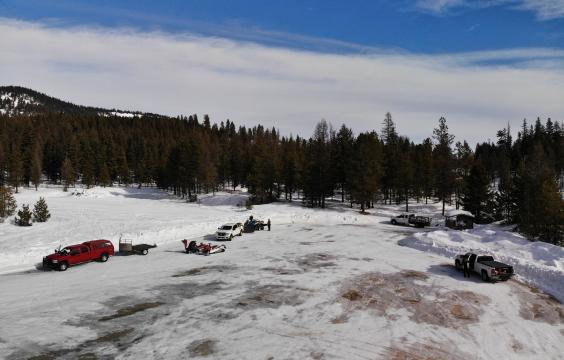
{"type": "Point", "coordinates": [268, 224]}
{"type": "Point", "coordinates": [465, 267]}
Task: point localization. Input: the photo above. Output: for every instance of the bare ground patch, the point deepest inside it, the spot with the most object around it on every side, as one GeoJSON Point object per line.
{"type": "Point", "coordinates": [315, 261]}
{"type": "Point", "coordinates": [270, 296]}
{"type": "Point", "coordinates": [130, 310]}
{"type": "Point", "coordinates": [408, 289]}
{"type": "Point", "coordinates": [205, 270]}
{"type": "Point", "coordinates": [538, 306]}
{"type": "Point", "coordinates": [316, 242]}
{"type": "Point", "coordinates": [118, 339]}
{"type": "Point", "coordinates": [282, 271]}
{"type": "Point", "coordinates": [204, 347]}
{"type": "Point", "coordinates": [425, 351]}
{"type": "Point", "coordinates": [188, 290]}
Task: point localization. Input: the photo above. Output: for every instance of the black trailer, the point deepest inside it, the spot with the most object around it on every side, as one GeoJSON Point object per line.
{"type": "Point", "coordinates": [420, 221]}
{"type": "Point", "coordinates": [126, 247]}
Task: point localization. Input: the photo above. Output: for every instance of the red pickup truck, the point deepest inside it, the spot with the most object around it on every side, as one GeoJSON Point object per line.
{"type": "Point", "coordinates": [79, 254]}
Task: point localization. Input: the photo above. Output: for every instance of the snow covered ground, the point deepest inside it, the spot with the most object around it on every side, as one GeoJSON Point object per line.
{"type": "Point", "coordinates": [329, 284]}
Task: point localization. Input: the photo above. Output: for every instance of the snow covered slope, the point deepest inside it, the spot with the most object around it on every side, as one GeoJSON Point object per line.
{"type": "Point", "coordinates": [17, 100]}
{"type": "Point", "coordinates": [329, 284]}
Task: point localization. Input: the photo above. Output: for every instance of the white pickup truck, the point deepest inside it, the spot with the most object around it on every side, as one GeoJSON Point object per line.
{"type": "Point", "coordinates": [485, 266]}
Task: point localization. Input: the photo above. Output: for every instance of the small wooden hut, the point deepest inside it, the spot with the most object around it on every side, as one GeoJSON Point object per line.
{"type": "Point", "coordinates": [459, 219]}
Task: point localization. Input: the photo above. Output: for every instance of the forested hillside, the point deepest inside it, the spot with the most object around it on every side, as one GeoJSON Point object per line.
{"type": "Point", "coordinates": [517, 180]}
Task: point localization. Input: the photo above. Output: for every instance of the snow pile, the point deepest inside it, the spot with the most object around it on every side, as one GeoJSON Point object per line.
{"type": "Point", "coordinates": [537, 263]}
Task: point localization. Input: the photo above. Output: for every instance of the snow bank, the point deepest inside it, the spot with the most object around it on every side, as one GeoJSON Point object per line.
{"type": "Point", "coordinates": [224, 199]}
{"type": "Point", "coordinates": [537, 263]}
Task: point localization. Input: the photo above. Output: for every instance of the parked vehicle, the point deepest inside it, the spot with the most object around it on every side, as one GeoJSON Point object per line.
{"type": "Point", "coordinates": [402, 219]}
{"type": "Point", "coordinates": [485, 266]}
{"type": "Point", "coordinates": [193, 247]}
{"type": "Point", "coordinates": [126, 247]}
{"type": "Point", "coordinates": [253, 225]}
{"type": "Point", "coordinates": [411, 219]}
{"type": "Point", "coordinates": [228, 231]}
{"type": "Point", "coordinates": [78, 254]}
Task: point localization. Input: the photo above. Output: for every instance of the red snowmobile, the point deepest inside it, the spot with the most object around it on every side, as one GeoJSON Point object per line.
{"type": "Point", "coordinates": [202, 249]}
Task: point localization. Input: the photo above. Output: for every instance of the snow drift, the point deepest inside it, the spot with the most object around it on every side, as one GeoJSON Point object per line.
{"type": "Point", "coordinates": [537, 263]}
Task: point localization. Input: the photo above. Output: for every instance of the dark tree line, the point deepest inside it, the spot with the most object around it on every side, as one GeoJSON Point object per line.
{"type": "Point", "coordinates": [517, 181]}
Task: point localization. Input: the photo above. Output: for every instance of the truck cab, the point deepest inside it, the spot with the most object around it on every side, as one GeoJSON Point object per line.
{"type": "Point", "coordinates": [402, 219]}
{"type": "Point", "coordinates": [71, 255]}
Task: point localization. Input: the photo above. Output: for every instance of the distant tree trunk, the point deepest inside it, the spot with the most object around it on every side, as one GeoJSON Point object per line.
{"type": "Point", "coordinates": [443, 207]}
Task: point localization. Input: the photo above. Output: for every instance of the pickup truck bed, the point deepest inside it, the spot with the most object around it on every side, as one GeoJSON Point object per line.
{"type": "Point", "coordinates": [494, 264]}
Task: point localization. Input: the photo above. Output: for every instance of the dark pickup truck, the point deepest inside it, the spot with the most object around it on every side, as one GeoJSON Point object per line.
{"type": "Point", "coordinates": [485, 266]}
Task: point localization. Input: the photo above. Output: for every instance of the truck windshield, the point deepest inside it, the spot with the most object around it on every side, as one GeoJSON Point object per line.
{"type": "Point", "coordinates": [226, 227]}
{"type": "Point", "coordinates": [485, 258]}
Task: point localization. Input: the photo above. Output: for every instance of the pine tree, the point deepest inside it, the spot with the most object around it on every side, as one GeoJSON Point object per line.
{"type": "Point", "coordinates": [88, 171]}
{"type": "Point", "coordinates": [41, 211]}
{"type": "Point", "coordinates": [104, 177]}
{"type": "Point", "coordinates": [35, 169]}
{"type": "Point", "coordinates": [444, 175]}
{"type": "Point", "coordinates": [3, 165]}
{"type": "Point", "coordinates": [8, 203]}
{"type": "Point", "coordinates": [476, 192]}
{"type": "Point", "coordinates": [24, 216]}
{"type": "Point", "coordinates": [15, 171]}
{"type": "Point", "coordinates": [504, 201]}
{"type": "Point", "coordinates": [366, 172]}
{"type": "Point", "coordinates": [343, 153]}
{"type": "Point", "coordinates": [539, 209]}
{"type": "Point", "coordinates": [67, 174]}
{"type": "Point", "coordinates": [391, 152]}
{"type": "Point", "coordinates": [405, 172]}
{"type": "Point", "coordinates": [426, 179]}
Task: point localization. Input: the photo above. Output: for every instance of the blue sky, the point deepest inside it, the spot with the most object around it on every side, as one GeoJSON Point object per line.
{"type": "Point", "coordinates": [421, 26]}
{"type": "Point", "coordinates": [480, 63]}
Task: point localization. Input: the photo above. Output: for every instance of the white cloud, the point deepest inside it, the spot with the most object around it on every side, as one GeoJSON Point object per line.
{"type": "Point", "coordinates": [544, 9]}
{"type": "Point", "coordinates": [286, 88]}
{"type": "Point", "coordinates": [439, 6]}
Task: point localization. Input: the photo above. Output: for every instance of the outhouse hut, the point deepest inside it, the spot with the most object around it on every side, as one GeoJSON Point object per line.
{"type": "Point", "coordinates": [459, 219]}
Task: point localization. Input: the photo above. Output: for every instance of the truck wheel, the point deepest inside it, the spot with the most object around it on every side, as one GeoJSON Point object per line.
{"type": "Point", "coordinates": [394, 222]}
{"type": "Point", "coordinates": [230, 237]}
{"type": "Point", "coordinates": [63, 266]}
{"type": "Point", "coordinates": [104, 257]}
{"type": "Point", "coordinates": [485, 276]}
{"type": "Point", "coordinates": [144, 252]}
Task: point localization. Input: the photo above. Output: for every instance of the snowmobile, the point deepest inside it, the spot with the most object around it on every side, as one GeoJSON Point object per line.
{"type": "Point", "coordinates": [202, 249]}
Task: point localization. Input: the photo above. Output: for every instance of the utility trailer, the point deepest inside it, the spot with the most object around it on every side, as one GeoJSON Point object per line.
{"type": "Point", "coordinates": [420, 221]}
{"type": "Point", "coordinates": [126, 247]}
{"type": "Point", "coordinates": [411, 219]}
